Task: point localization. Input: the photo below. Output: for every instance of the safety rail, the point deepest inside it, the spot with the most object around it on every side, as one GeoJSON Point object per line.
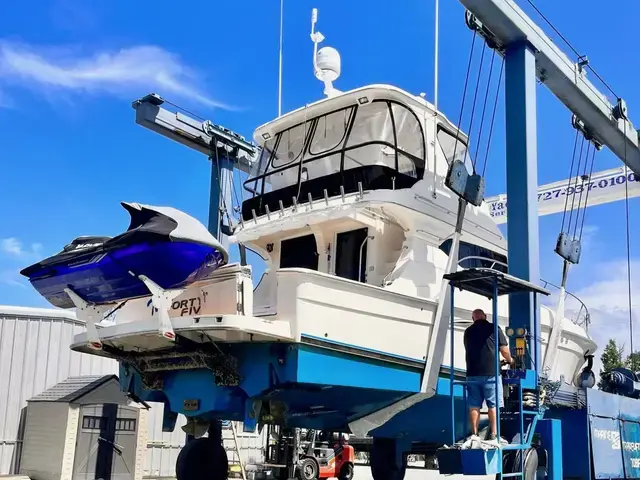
{"type": "Point", "coordinates": [577, 319]}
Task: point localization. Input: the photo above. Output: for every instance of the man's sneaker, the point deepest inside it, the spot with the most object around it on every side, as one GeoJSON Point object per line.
{"type": "Point", "coordinates": [491, 437]}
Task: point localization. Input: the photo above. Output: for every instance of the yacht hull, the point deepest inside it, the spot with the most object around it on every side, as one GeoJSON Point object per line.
{"type": "Point", "coordinates": [321, 310]}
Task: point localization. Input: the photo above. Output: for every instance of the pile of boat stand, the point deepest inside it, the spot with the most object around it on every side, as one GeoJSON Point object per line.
{"type": "Point", "coordinates": [521, 416]}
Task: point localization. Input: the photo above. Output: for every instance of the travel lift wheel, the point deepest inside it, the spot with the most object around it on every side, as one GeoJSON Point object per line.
{"type": "Point", "coordinates": [384, 460]}
{"type": "Point", "coordinates": [511, 463]}
{"type": "Point", "coordinates": [202, 459]}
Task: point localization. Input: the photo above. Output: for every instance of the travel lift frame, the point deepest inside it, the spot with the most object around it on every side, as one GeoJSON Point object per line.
{"type": "Point", "coordinates": [529, 55]}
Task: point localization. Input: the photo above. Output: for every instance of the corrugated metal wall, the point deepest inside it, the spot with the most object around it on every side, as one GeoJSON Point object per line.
{"type": "Point", "coordinates": [35, 355]}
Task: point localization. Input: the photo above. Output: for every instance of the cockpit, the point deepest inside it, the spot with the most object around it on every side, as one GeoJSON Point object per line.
{"type": "Point", "coordinates": [378, 144]}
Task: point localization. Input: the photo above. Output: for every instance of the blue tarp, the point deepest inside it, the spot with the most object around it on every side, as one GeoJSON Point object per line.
{"type": "Point", "coordinates": [614, 427]}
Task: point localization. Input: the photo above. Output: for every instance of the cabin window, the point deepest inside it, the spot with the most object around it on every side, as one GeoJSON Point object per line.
{"type": "Point", "coordinates": [351, 254]}
{"type": "Point", "coordinates": [379, 145]}
{"type": "Point", "coordinates": [454, 148]}
{"type": "Point", "coordinates": [299, 252]}
{"type": "Point", "coordinates": [409, 140]}
{"type": "Point", "coordinates": [474, 256]}
{"type": "Point", "coordinates": [330, 132]}
{"type": "Point", "coordinates": [290, 146]}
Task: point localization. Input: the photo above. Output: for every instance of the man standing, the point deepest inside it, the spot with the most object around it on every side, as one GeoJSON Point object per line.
{"type": "Point", "coordinates": [479, 343]}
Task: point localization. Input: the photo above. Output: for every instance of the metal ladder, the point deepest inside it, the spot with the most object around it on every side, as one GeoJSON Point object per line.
{"type": "Point", "coordinates": [235, 450]}
{"type": "Point", "coordinates": [492, 283]}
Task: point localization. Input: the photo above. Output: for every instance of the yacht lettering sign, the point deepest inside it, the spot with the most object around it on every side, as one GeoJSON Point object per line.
{"type": "Point", "coordinates": [603, 187]}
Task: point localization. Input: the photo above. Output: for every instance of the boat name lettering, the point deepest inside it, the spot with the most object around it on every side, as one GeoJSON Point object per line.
{"type": "Point", "coordinates": [189, 306]}
{"type": "Point", "coordinates": [635, 463]}
{"type": "Point", "coordinates": [499, 207]}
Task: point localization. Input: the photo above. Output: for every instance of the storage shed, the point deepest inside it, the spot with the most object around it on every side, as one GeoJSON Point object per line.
{"type": "Point", "coordinates": [84, 428]}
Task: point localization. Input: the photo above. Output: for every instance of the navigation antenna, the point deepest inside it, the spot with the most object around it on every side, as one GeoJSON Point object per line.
{"type": "Point", "coordinates": [326, 61]}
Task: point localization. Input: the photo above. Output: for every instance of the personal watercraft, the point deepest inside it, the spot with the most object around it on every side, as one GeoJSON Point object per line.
{"type": "Point", "coordinates": [165, 245]}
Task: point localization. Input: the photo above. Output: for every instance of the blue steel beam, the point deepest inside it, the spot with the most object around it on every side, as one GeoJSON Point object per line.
{"type": "Point", "coordinates": [203, 137]}
{"type": "Point", "coordinates": [522, 187]}
{"type": "Point", "coordinates": [607, 123]}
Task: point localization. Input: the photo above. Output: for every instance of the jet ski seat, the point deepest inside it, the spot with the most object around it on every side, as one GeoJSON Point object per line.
{"type": "Point", "coordinates": [86, 241]}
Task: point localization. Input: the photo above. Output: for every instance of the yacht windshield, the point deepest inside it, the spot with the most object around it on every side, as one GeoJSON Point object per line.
{"type": "Point", "coordinates": [454, 148]}
{"type": "Point", "coordinates": [376, 145]}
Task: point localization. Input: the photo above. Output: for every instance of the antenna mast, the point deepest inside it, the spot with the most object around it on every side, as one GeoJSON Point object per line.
{"type": "Point", "coordinates": [326, 61]}
{"type": "Point", "coordinates": [280, 62]}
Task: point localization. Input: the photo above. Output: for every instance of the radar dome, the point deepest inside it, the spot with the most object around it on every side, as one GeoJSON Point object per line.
{"type": "Point", "coordinates": [328, 64]}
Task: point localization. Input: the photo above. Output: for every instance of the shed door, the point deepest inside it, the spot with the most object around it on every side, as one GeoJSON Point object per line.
{"type": "Point", "coordinates": [106, 444]}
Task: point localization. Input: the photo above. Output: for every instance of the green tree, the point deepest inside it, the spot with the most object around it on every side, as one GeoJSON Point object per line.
{"type": "Point", "coordinates": [633, 362]}
{"type": "Point", "coordinates": [612, 357]}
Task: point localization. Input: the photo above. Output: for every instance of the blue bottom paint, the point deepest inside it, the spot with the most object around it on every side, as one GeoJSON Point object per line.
{"type": "Point", "coordinates": [320, 388]}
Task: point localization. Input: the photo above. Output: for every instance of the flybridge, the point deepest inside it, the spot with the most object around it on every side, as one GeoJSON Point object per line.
{"type": "Point", "coordinates": [603, 187]}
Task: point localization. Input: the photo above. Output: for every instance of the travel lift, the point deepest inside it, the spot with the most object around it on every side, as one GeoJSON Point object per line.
{"type": "Point", "coordinates": [596, 421]}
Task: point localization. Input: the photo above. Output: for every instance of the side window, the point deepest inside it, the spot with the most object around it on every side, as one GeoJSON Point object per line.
{"type": "Point", "coordinates": [372, 124]}
{"type": "Point", "coordinates": [454, 148]}
{"type": "Point", "coordinates": [290, 145]}
{"type": "Point", "coordinates": [410, 141]}
{"type": "Point", "coordinates": [330, 131]}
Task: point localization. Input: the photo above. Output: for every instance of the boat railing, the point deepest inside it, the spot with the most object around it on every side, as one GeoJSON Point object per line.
{"type": "Point", "coordinates": [581, 318]}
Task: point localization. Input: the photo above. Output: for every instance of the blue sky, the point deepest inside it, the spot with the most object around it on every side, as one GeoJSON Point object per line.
{"type": "Point", "coordinates": [71, 151]}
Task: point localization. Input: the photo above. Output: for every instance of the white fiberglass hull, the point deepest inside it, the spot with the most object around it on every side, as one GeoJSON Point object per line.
{"type": "Point", "coordinates": [322, 309]}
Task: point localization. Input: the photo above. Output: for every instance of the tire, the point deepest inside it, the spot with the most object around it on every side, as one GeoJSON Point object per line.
{"type": "Point", "coordinates": [511, 463]}
{"type": "Point", "coordinates": [308, 469]}
{"type": "Point", "coordinates": [202, 459]}
{"type": "Point", "coordinates": [383, 460]}
{"type": "Point", "coordinates": [346, 472]}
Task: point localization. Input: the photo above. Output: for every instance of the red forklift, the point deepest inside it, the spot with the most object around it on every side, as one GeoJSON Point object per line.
{"type": "Point", "coordinates": [311, 455]}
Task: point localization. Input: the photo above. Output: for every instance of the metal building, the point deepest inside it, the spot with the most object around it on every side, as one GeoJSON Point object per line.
{"type": "Point", "coordinates": [35, 356]}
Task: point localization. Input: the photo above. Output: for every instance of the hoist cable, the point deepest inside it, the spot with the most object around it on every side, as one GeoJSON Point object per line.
{"type": "Point", "coordinates": [566, 199]}
{"type": "Point", "coordinates": [586, 162]}
{"type": "Point", "coordinates": [475, 101]}
{"type": "Point", "coordinates": [484, 107]}
{"type": "Point", "coordinates": [626, 205]}
{"type": "Point", "coordinates": [464, 96]}
{"type": "Point", "coordinates": [586, 201]}
{"type": "Point", "coordinates": [575, 185]}
{"type": "Point", "coordinates": [493, 117]}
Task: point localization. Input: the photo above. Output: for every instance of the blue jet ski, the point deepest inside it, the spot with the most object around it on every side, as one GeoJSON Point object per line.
{"type": "Point", "coordinates": [166, 245]}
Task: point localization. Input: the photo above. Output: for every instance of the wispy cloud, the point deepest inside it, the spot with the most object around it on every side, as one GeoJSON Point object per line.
{"type": "Point", "coordinates": [125, 72]}
{"type": "Point", "coordinates": [607, 299]}
{"type": "Point", "coordinates": [13, 247]}
{"type": "Point", "coordinates": [12, 278]}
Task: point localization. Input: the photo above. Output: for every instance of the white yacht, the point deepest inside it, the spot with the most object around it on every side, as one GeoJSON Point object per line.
{"type": "Point", "coordinates": [349, 209]}
{"type": "Point", "coordinates": [351, 215]}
